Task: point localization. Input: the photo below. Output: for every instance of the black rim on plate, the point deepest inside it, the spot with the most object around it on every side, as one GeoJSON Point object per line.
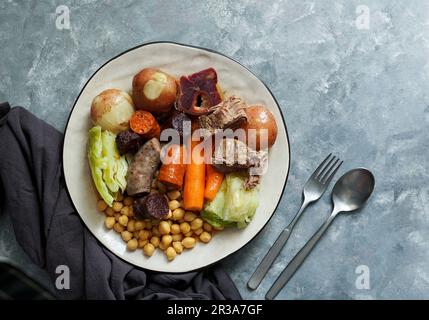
{"type": "Point", "coordinates": [204, 49]}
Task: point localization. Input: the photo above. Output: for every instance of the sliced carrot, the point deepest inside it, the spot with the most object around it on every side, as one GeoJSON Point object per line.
{"type": "Point", "coordinates": [142, 122]}
{"type": "Point", "coordinates": [193, 192]}
{"type": "Point", "coordinates": [173, 171]}
{"type": "Point", "coordinates": [214, 180]}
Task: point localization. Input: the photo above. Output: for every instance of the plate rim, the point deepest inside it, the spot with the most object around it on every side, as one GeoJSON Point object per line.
{"type": "Point", "coordinates": [203, 49]}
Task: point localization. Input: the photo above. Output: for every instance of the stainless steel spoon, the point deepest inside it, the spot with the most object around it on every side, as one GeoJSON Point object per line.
{"type": "Point", "coordinates": [350, 192]}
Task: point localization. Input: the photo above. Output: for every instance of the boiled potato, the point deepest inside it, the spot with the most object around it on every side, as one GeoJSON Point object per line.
{"type": "Point", "coordinates": [112, 110]}
{"type": "Point", "coordinates": [154, 90]}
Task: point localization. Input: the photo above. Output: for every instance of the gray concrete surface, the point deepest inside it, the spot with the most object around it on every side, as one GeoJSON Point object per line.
{"type": "Point", "coordinates": [361, 93]}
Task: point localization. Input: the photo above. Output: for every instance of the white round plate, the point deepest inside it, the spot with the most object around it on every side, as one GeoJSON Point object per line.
{"type": "Point", "coordinates": [175, 59]}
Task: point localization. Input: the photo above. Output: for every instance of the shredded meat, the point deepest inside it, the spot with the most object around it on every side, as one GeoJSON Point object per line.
{"type": "Point", "coordinates": [234, 155]}
{"type": "Point", "coordinates": [251, 182]}
{"type": "Point", "coordinates": [229, 114]}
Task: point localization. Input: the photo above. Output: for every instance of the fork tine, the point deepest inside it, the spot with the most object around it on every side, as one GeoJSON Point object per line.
{"type": "Point", "coordinates": [325, 169]}
{"type": "Point", "coordinates": [331, 173]}
{"type": "Point", "coordinates": [316, 172]}
{"type": "Point", "coordinates": [328, 169]}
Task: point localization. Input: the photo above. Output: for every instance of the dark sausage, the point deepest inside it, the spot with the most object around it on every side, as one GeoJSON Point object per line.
{"type": "Point", "coordinates": [178, 121]}
{"type": "Point", "coordinates": [144, 165]}
{"type": "Point", "coordinates": [154, 205]}
{"type": "Point", "coordinates": [128, 142]}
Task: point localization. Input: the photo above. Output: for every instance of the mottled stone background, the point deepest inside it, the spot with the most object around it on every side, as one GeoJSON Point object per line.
{"type": "Point", "coordinates": [363, 94]}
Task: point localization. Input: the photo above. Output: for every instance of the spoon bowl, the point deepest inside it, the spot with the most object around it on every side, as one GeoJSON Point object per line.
{"type": "Point", "coordinates": [353, 189]}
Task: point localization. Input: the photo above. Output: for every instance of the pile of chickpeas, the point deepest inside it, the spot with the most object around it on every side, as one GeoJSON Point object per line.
{"type": "Point", "coordinates": [180, 230]}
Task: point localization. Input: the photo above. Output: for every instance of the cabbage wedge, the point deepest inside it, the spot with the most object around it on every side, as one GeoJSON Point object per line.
{"type": "Point", "coordinates": [233, 204]}
{"type": "Point", "coordinates": [108, 168]}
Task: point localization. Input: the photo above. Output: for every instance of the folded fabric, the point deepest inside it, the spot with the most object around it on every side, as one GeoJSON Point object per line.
{"type": "Point", "coordinates": [33, 193]}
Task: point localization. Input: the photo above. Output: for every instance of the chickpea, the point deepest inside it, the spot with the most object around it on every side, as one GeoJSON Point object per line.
{"type": "Point", "coordinates": [185, 227]}
{"type": "Point", "coordinates": [123, 220]}
{"type": "Point", "coordinates": [131, 211]}
{"type": "Point", "coordinates": [155, 241]}
{"type": "Point", "coordinates": [126, 235]}
{"type": "Point", "coordinates": [173, 204]}
{"type": "Point", "coordinates": [177, 237]}
{"type": "Point", "coordinates": [155, 232]}
{"type": "Point", "coordinates": [117, 216]}
{"type": "Point", "coordinates": [142, 243]}
{"type": "Point", "coordinates": [177, 245]}
{"type": "Point", "coordinates": [170, 253]}
{"type": "Point", "coordinates": [197, 223]}
{"type": "Point", "coordinates": [136, 234]}
{"type": "Point", "coordinates": [173, 195]}
{"type": "Point", "coordinates": [128, 201]}
{"type": "Point", "coordinates": [139, 225]}
{"type": "Point", "coordinates": [198, 231]}
{"type": "Point", "coordinates": [188, 242]}
{"type": "Point", "coordinates": [117, 206]}
{"type": "Point", "coordinates": [207, 227]}
{"type": "Point", "coordinates": [119, 197]}
{"type": "Point", "coordinates": [145, 234]}
{"type": "Point", "coordinates": [175, 228]}
{"type": "Point", "coordinates": [205, 237]}
{"type": "Point", "coordinates": [161, 246]}
{"type": "Point", "coordinates": [164, 227]}
{"type": "Point", "coordinates": [118, 227]}
{"type": "Point", "coordinates": [178, 214]}
{"type": "Point", "coordinates": [189, 234]}
{"type": "Point", "coordinates": [169, 215]}
{"type": "Point", "coordinates": [101, 205]}
{"type": "Point", "coordinates": [131, 225]}
{"type": "Point", "coordinates": [125, 211]}
{"type": "Point", "coordinates": [148, 249]}
{"type": "Point", "coordinates": [166, 240]}
{"type": "Point", "coordinates": [189, 216]}
{"type": "Point", "coordinates": [109, 222]}
{"type": "Point", "coordinates": [132, 244]}
{"type": "Point", "coordinates": [109, 212]}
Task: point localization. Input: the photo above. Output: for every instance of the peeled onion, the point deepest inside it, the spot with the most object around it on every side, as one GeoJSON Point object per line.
{"type": "Point", "coordinates": [260, 118]}
{"type": "Point", "coordinates": [112, 110]}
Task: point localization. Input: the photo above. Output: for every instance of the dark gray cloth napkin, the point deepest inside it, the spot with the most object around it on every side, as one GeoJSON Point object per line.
{"type": "Point", "coordinates": [33, 193]}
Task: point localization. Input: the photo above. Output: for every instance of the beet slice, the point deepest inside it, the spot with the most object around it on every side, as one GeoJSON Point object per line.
{"type": "Point", "coordinates": [153, 205]}
{"type": "Point", "coordinates": [198, 92]}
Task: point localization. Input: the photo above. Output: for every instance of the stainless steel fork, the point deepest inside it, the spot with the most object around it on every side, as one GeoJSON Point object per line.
{"type": "Point", "coordinates": [313, 190]}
